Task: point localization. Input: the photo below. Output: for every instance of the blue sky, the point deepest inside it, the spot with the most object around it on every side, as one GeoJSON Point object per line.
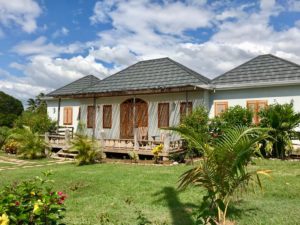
{"type": "Point", "coordinates": [45, 44]}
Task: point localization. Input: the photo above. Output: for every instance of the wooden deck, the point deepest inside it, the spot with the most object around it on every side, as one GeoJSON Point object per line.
{"type": "Point", "coordinates": [124, 146]}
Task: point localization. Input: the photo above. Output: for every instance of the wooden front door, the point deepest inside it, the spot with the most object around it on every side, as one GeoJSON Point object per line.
{"type": "Point", "coordinates": [127, 120]}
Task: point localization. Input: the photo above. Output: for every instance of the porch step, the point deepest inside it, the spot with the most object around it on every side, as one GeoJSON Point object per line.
{"type": "Point", "coordinates": [65, 153]}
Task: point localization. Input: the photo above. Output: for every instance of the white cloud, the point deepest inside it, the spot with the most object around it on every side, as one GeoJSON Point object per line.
{"type": "Point", "coordinates": [40, 46]}
{"type": "Point", "coordinates": [60, 33]}
{"type": "Point", "coordinates": [22, 13]}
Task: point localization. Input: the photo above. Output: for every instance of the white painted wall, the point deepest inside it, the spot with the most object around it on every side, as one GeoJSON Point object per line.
{"type": "Point", "coordinates": [197, 97]}
{"type": "Point", "coordinates": [271, 94]}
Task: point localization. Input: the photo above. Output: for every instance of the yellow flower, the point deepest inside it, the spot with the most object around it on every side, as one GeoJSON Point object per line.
{"type": "Point", "coordinates": [36, 207]}
{"type": "Point", "coordinates": [4, 220]}
{"type": "Point", "coordinates": [32, 193]}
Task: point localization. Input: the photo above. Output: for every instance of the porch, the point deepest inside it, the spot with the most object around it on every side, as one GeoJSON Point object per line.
{"type": "Point", "coordinates": [123, 146]}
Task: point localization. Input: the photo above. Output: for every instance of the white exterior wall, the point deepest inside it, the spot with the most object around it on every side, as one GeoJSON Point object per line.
{"type": "Point", "coordinates": [174, 99]}
{"type": "Point", "coordinates": [271, 94]}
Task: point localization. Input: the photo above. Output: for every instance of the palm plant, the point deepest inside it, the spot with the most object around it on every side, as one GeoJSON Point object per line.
{"type": "Point", "coordinates": [283, 120]}
{"type": "Point", "coordinates": [30, 144]}
{"type": "Point", "coordinates": [86, 148]}
{"type": "Point", "coordinates": [223, 171]}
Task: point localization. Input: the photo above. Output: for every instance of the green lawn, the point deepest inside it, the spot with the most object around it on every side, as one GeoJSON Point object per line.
{"type": "Point", "coordinates": [117, 191]}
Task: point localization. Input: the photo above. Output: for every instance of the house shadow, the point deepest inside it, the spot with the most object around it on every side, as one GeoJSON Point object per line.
{"type": "Point", "coordinates": [181, 213]}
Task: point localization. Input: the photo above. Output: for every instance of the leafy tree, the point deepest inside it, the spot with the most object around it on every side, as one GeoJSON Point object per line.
{"type": "Point", "coordinates": [38, 104]}
{"type": "Point", "coordinates": [10, 109]}
{"type": "Point", "coordinates": [4, 133]}
{"type": "Point", "coordinates": [283, 120]}
{"type": "Point", "coordinates": [223, 170]}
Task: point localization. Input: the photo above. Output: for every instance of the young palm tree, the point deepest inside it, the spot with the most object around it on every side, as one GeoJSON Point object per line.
{"type": "Point", "coordinates": [283, 120]}
{"type": "Point", "coordinates": [31, 105]}
{"type": "Point", "coordinates": [31, 145]}
{"type": "Point", "coordinates": [223, 170]}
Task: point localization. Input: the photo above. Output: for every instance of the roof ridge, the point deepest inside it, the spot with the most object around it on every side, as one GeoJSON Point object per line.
{"type": "Point", "coordinates": [90, 75]}
{"type": "Point", "coordinates": [190, 71]}
{"type": "Point", "coordinates": [234, 68]}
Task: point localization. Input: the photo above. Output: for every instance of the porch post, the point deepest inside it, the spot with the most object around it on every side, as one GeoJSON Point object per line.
{"type": "Point", "coordinates": [166, 145]}
{"type": "Point", "coordinates": [135, 130]}
{"type": "Point", "coordinates": [58, 113]}
{"type": "Point", "coordinates": [186, 103]}
{"type": "Point", "coordinates": [94, 119]}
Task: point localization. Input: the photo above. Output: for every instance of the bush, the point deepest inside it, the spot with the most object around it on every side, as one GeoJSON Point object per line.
{"type": "Point", "coordinates": [37, 121]}
{"type": "Point", "coordinates": [31, 202]}
{"type": "Point", "coordinates": [156, 151]}
{"type": "Point", "coordinates": [232, 117]}
{"type": "Point", "coordinates": [4, 133]}
{"type": "Point", "coordinates": [11, 147]}
{"type": "Point", "coordinates": [283, 120]}
{"type": "Point", "coordinates": [10, 109]}
{"type": "Point", "coordinates": [29, 144]}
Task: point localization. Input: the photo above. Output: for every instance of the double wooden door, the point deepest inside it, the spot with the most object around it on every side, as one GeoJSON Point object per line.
{"type": "Point", "coordinates": [127, 119]}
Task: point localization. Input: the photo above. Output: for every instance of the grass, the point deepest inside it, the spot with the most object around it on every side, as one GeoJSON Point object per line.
{"type": "Point", "coordinates": [115, 192]}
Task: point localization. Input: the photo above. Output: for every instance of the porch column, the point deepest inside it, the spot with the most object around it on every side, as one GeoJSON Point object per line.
{"type": "Point", "coordinates": [94, 119]}
{"type": "Point", "coordinates": [58, 113]}
{"type": "Point", "coordinates": [135, 130]}
{"type": "Point", "coordinates": [166, 145]}
{"type": "Point", "coordinates": [186, 102]}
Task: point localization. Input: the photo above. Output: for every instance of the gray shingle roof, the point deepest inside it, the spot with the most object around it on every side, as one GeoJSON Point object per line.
{"type": "Point", "coordinates": [261, 69]}
{"type": "Point", "coordinates": [149, 74]}
{"type": "Point", "coordinates": [75, 86]}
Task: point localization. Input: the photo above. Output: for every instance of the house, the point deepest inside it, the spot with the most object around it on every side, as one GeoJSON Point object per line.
{"type": "Point", "coordinates": [127, 110]}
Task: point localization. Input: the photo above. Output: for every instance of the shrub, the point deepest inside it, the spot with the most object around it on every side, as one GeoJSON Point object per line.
{"type": "Point", "coordinates": [11, 146]}
{"type": "Point", "coordinates": [4, 133]}
{"type": "Point", "coordinates": [37, 121]}
{"type": "Point", "coordinates": [156, 151]}
{"type": "Point", "coordinates": [87, 150]}
{"type": "Point", "coordinates": [30, 144]}
{"type": "Point", "coordinates": [31, 202]}
{"type": "Point", "coordinates": [133, 156]}
{"type": "Point", "coordinates": [283, 120]}
{"type": "Point", "coordinates": [223, 170]}
{"type": "Point", "coordinates": [237, 116]}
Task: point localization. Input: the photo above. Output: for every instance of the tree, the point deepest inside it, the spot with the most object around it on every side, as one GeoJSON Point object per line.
{"type": "Point", "coordinates": [10, 109]}
{"type": "Point", "coordinates": [38, 104]}
{"type": "Point", "coordinates": [283, 120]}
{"type": "Point", "coordinates": [223, 170]}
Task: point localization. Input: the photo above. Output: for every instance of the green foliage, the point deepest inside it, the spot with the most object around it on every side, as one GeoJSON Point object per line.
{"type": "Point", "coordinates": [133, 156]}
{"type": "Point", "coordinates": [10, 109]}
{"type": "Point", "coordinates": [11, 146]}
{"type": "Point", "coordinates": [38, 104]}
{"type": "Point", "coordinates": [86, 148]}
{"type": "Point", "coordinates": [4, 132]}
{"type": "Point", "coordinates": [37, 121]}
{"type": "Point", "coordinates": [30, 144]}
{"type": "Point", "coordinates": [32, 202]}
{"type": "Point", "coordinates": [223, 170]}
{"type": "Point", "coordinates": [233, 116]}
{"type": "Point", "coordinates": [283, 120]}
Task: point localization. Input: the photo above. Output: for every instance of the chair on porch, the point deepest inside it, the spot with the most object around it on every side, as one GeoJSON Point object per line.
{"type": "Point", "coordinates": [142, 135]}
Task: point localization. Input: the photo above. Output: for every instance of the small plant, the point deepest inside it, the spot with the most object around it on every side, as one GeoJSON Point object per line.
{"type": "Point", "coordinates": [11, 146]}
{"type": "Point", "coordinates": [30, 144]}
{"type": "Point", "coordinates": [133, 156]}
{"type": "Point", "coordinates": [4, 133]}
{"type": "Point", "coordinates": [31, 202]}
{"type": "Point", "coordinates": [156, 151]}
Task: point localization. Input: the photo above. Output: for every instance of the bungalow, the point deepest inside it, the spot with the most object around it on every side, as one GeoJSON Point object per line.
{"type": "Point", "coordinates": [126, 110]}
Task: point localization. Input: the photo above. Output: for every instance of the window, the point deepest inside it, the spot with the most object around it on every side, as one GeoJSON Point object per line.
{"type": "Point", "coordinates": [107, 116]}
{"type": "Point", "coordinates": [163, 115]}
{"type": "Point", "coordinates": [183, 109]}
{"type": "Point", "coordinates": [255, 106]}
{"type": "Point", "coordinates": [68, 115]}
{"type": "Point", "coordinates": [220, 107]}
{"type": "Point", "coordinates": [90, 116]}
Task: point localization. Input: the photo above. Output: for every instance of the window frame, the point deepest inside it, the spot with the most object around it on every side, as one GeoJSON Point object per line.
{"type": "Point", "coordinates": [159, 125]}
{"type": "Point", "coordinates": [220, 103]}
{"type": "Point", "coordinates": [256, 118]}
{"type": "Point", "coordinates": [110, 122]}
{"type": "Point", "coordinates": [67, 110]}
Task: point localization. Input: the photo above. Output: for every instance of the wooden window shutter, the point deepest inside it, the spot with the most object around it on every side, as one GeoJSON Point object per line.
{"type": "Point", "coordinates": [220, 107]}
{"type": "Point", "coordinates": [255, 106]}
{"type": "Point", "coordinates": [90, 116]}
{"type": "Point", "coordinates": [183, 109]}
{"type": "Point", "coordinates": [163, 115]}
{"type": "Point", "coordinates": [107, 116]}
{"type": "Point", "coordinates": [68, 115]}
